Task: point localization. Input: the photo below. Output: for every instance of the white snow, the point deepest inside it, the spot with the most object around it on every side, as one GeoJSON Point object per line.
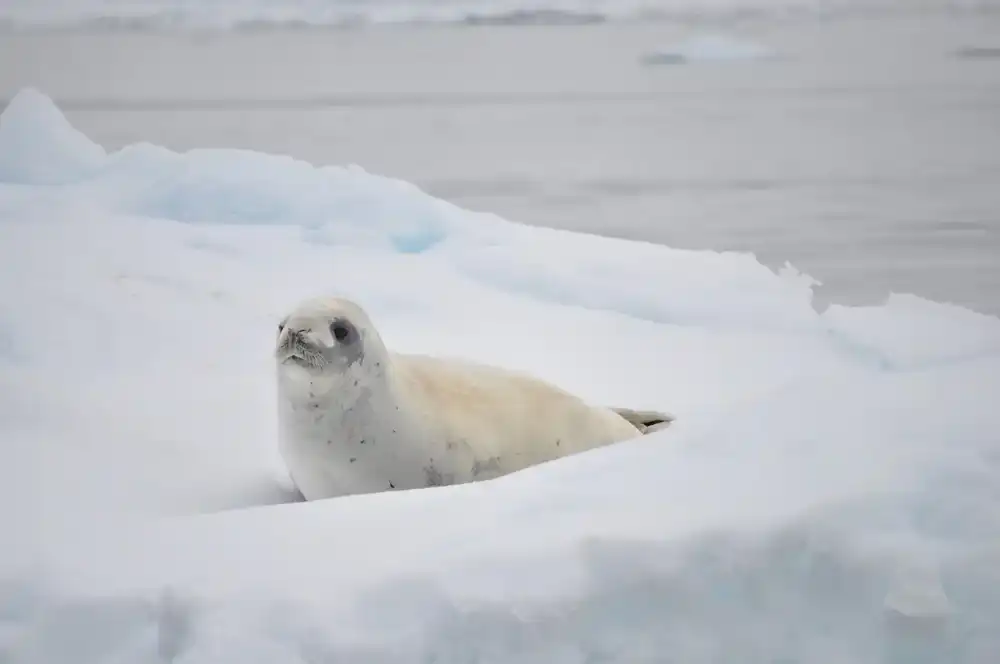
{"type": "Point", "coordinates": [709, 48]}
{"type": "Point", "coordinates": [830, 492]}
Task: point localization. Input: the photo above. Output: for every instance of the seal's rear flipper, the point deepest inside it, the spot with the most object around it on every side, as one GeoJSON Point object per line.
{"type": "Point", "coordinates": [646, 421]}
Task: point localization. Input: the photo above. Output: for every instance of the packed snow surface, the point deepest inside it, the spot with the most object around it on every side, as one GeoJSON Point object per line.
{"type": "Point", "coordinates": [262, 14]}
{"type": "Point", "coordinates": [829, 493]}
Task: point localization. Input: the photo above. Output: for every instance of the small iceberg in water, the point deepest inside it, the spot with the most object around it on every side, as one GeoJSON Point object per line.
{"type": "Point", "coordinates": [978, 53]}
{"type": "Point", "coordinates": [709, 48]}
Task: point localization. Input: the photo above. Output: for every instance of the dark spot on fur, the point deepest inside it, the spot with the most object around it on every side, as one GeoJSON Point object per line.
{"type": "Point", "coordinates": [558, 443]}
{"type": "Point", "coordinates": [353, 459]}
{"type": "Point", "coordinates": [432, 476]}
{"type": "Point", "coordinates": [493, 463]}
{"type": "Point", "coordinates": [314, 406]}
{"type": "Point", "coordinates": [362, 441]}
{"type": "Point", "coordinates": [355, 383]}
{"type": "Point", "coordinates": [450, 445]}
{"type": "Point", "coordinates": [394, 431]}
{"type": "Point", "coordinates": [329, 442]}
{"type": "Point", "coordinates": [378, 364]}
{"type": "Point", "coordinates": [391, 485]}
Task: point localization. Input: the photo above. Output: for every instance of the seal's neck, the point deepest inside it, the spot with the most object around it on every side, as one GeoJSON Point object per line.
{"type": "Point", "coordinates": [341, 396]}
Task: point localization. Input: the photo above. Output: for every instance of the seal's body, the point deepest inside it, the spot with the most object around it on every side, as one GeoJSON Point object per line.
{"type": "Point", "coordinates": [356, 418]}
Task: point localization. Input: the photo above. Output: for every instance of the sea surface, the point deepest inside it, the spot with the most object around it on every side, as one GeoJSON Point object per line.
{"type": "Point", "coordinates": [864, 150]}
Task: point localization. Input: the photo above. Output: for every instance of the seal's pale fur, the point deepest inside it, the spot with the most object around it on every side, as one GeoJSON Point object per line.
{"type": "Point", "coordinates": [357, 418]}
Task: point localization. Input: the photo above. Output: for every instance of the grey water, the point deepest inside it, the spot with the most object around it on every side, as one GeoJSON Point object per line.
{"type": "Point", "coordinates": [865, 153]}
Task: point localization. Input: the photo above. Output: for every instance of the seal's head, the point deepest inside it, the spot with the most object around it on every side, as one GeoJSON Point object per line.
{"type": "Point", "coordinates": [325, 336]}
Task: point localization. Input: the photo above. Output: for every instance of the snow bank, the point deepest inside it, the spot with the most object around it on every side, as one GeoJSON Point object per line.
{"type": "Point", "coordinates": [829, 492]}
{"type": "Point", "coordinates": [264, 14]}
{"type": "Point", "coordinates": [709, 48]}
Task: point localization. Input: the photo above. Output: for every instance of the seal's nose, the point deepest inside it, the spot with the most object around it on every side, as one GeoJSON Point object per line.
{"type": "Point", "coordinates": [302, 337]}
{"type": "Point", "coordinates": [290, 336]}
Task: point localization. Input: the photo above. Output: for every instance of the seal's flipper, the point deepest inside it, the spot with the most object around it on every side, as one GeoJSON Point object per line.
{"type": "Point", "coordinates": [646, 421]}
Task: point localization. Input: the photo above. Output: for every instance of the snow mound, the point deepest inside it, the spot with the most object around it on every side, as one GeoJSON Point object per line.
{"type": "Point", "coordinates": [38, 145]}
{"type": "Point", "coordinates": [829, 492]}
{"type": "Point", "coordinates": [709, 48]}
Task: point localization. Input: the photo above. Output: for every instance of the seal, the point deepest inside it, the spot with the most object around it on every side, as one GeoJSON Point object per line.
{"type": "Point", "coordinates": [354, 417]}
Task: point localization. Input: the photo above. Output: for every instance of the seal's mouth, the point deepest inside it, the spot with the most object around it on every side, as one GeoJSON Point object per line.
{"type": "Point", "coordinates": [309, 359]}
{"type": "Point", "coordinates": [296, 359]}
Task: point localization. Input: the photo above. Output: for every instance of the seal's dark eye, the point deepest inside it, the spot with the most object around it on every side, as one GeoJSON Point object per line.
{"type": "Point", "coordinates": [339, 331]}
{"type": "Point", "coordinates": [281, 328]}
